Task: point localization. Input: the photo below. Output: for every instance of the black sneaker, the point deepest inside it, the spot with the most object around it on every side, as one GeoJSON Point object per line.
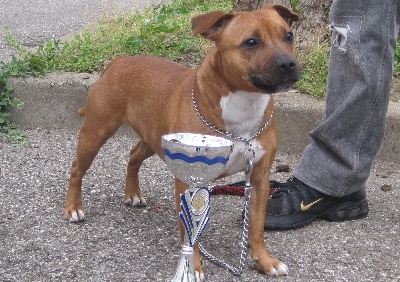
{"type": "Point", "coordinates": [295, 204]}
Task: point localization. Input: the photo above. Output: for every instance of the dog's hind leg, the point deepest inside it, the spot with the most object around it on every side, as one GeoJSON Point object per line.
{"type": "Point", "coordinates": [93, 134]}
{"type": "Point", "coordinates": [133, 195]}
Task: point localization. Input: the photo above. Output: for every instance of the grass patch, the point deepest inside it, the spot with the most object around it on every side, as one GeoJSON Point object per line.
{"type": "Point", "coordinates": [314, 73]}
{"type": "Point", "coordinates": [162, 30]}
{"type": "Point", "coordinates": [396, 67]}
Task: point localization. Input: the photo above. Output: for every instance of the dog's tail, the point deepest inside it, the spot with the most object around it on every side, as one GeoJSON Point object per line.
{"type": "Point", "coordinates": [81, 112]}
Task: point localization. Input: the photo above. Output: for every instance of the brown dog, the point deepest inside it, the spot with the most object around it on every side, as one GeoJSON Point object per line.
{"type": "Point", "coordinates": [253, 57]}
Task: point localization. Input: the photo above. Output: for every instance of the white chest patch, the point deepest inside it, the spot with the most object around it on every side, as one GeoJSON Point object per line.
{"type": "Point", "coordinates": [242, 113]}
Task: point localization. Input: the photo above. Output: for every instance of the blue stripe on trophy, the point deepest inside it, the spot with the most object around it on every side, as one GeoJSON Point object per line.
{"type": "Point", "coordinates": [202, 159]}
{"type": "Point", "coordinates": [186, 217]}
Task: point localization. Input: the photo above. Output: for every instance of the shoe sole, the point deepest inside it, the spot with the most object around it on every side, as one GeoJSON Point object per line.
{"type": "Point", "coordinates": [347, 211]}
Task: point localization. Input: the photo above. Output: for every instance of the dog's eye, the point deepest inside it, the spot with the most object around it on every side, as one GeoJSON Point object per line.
{"type": "Point", "coordinates": [250, 43]}
{"type": "Point", "coordinates": [289, 37]}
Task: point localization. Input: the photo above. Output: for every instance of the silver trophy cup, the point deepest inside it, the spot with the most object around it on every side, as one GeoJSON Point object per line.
{"type": "Point", "coordinates": [195, 159]}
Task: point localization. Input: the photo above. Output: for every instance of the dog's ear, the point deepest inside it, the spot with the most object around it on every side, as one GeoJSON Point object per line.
{"type": "Point", "coordinates": [208, 25]}
{"type": "Point", "coordinates": [284, 12]}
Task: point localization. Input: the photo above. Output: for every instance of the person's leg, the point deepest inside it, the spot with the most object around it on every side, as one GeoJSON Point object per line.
{"type": "Point", "coordinates": [338, 160]}
{"type": "Point", "coordinates": [330, 177]}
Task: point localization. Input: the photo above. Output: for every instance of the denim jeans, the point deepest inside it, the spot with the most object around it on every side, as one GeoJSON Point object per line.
{"type": "Point", "coordinates": [338, 159]}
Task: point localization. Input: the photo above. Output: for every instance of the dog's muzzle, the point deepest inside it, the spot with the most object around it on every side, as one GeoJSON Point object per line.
{"type": "Point", "coordinates": [279, 76]}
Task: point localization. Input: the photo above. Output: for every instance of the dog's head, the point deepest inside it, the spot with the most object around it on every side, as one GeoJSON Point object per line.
{"type": "Point", "coordinates": [255, 50]}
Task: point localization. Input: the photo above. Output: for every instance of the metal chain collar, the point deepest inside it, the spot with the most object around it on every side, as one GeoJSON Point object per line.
{"type": "Point", "coordinates": [227, 133]}
{"type": "Point", "coordinates": [249, 161]}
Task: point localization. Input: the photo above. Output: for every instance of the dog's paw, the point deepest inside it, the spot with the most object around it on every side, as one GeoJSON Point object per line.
{"type": "Point", "coordinates": [271, 266]}
{"type": "Point", "coordinates": [75, 216]}
{"type": "Point", "coordinates": [135, 202]}
{"type": "Point", "coordinates": [200, 277]}
{"type": "Point", "coordinates": [280, 270]}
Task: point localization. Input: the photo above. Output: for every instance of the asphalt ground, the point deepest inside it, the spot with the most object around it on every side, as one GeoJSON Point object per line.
{"type": "Point", "coordinates": [121, 243]}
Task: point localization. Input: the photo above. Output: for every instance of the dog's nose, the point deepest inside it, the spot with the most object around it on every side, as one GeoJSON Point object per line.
{"type": "Point", "coordinates": [286, 64]}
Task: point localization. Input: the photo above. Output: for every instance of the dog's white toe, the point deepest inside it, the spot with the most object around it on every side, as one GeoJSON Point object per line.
{"type": "Point", "coordinates": [77, 216]}
{"type": "Point", "coordinates": [143, 202]}
{"type": "Point", "coordinates": [281, 270]}
{"type": "Point", "coordinates": [136, 202]}
{"type": "Point", "coordinates": [200, 277]}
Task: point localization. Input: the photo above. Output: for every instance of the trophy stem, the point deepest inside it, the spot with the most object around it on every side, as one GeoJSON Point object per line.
{"type": "Point", "coordinates": [185, 268]}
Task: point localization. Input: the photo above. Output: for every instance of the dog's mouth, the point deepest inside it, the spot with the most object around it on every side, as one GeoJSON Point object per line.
{"type": "Point", "coordinates": [270, 87]}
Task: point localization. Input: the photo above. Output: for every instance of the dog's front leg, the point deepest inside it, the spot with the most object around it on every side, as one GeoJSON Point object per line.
{"type": "Point", "coordinates": [258, 202]}
{"type": "Point", "coordinates": [180, 188]}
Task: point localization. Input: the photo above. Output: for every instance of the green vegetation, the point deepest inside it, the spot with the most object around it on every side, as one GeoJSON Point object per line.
{"type": "Point", "coordinates": [163, 30]}
{"type": "Point", "coordinates": [314, 72]}
{"type": "Point", "coordinates": [294, 4]}
{"type": "Point", "coordinates": [7, 100]}
{"type": "Point", "coordinates": [396, 68]}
